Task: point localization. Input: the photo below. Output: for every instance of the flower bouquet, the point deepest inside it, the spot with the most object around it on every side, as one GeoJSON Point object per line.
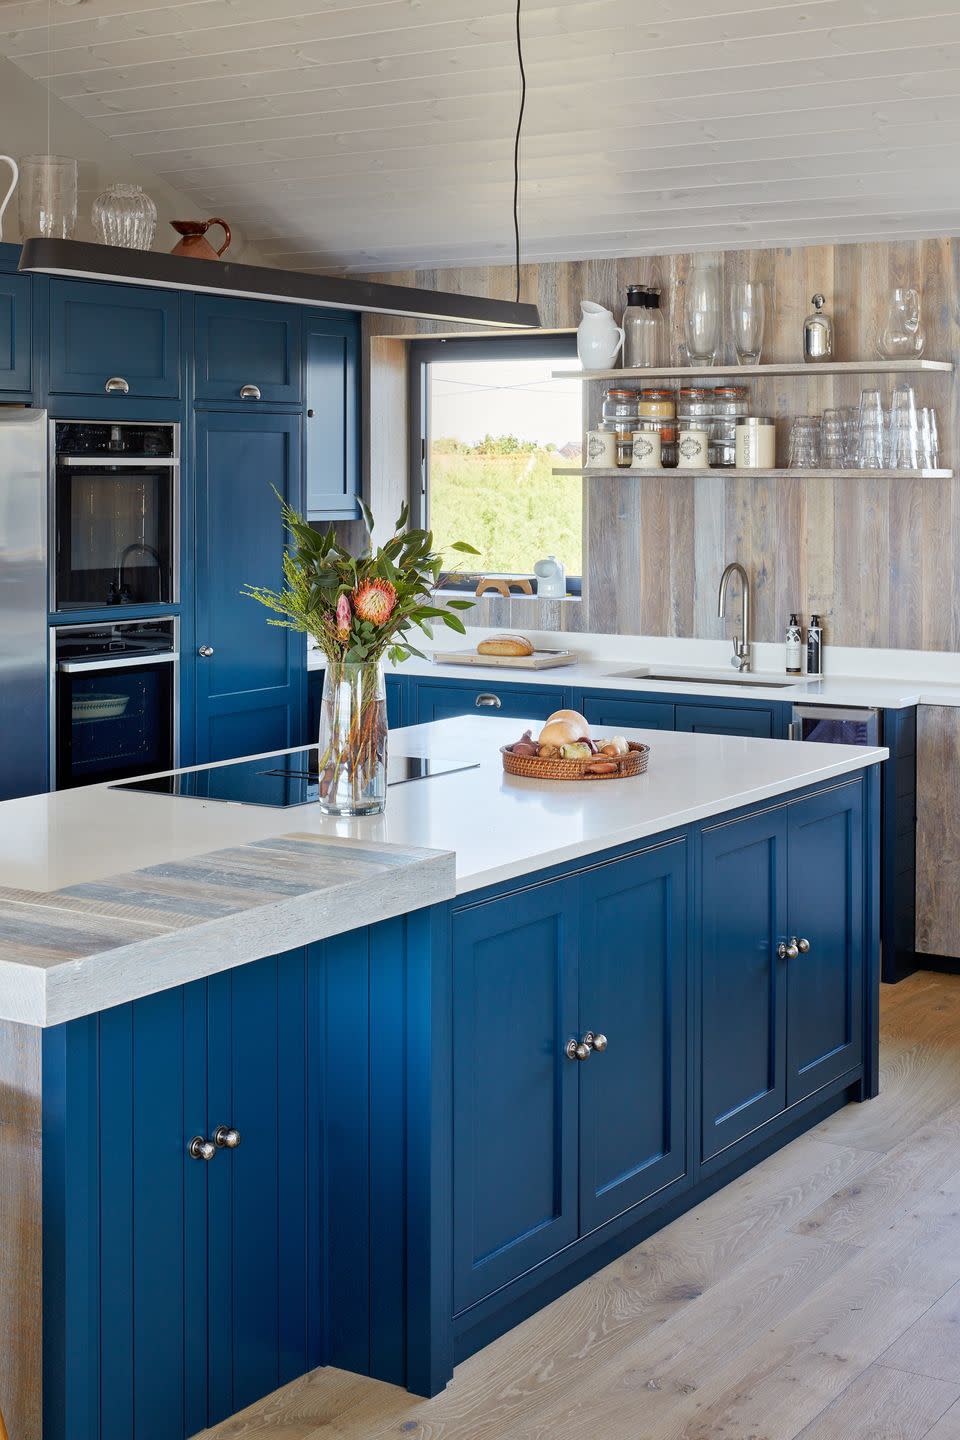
{"type": "Point", "coordinates": [358, 609]}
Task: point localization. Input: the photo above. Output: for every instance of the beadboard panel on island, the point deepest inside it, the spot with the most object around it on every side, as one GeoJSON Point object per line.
{"type": "Point", "coordinates": [878, 558]}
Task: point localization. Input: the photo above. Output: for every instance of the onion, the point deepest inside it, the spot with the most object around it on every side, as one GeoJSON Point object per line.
{"type": "Point", "coordinates": [559, 732]}
{"type": "Point", "coordinates": [575, 718]}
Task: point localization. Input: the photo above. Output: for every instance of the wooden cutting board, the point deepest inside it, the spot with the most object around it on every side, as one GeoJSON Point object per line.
{"type": "Point", "coordinates": [539, 660]}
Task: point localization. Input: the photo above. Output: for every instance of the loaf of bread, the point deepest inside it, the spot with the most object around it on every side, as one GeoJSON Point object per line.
{"type": "Point", "coordinates": [505, 645]}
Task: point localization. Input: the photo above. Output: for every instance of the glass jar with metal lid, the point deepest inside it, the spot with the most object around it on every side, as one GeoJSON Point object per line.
{"type": "Point", "coordinates": [619, 405]}
{"type": "Point", "coordinates": [756, 442]}
{"type": "Point", "coordinates": [731, 401]}
{"type": "Point", "coordinates": [695, 401]}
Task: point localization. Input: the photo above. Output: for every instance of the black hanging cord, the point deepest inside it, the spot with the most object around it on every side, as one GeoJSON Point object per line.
{"type": "Point", "coordinates": [516, 149]}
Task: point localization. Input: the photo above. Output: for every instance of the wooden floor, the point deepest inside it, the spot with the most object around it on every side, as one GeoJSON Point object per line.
{"type": "Point", "coordinates": [817, 1296]}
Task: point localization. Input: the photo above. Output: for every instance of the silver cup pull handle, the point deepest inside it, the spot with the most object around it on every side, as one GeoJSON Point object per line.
{"type": "Point", "coordinates": [116, 385]}
{"type": "Point", "coordinates": [249, 392]}
{"type": "Point", "coordinates": [487, 702]}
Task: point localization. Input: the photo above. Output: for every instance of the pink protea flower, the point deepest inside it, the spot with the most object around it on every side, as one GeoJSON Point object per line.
{"type": "Point", "coordinates": [344, 617]}
{"type": "Point", "coordinates": [374, 601]}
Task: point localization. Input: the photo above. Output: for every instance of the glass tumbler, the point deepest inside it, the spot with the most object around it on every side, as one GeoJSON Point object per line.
{"type": "Point", "coordinates": [804, 453]}
{"type": "Point", "coordinates": [48, 196]}
{"type": "Point", "coordinates": [903, 431]}
{"type": "Point", "coordinates": [747, 318]}
{"type": "Point", "coordinates": [870, 432]}
{"type": "Point", "coordinates": [929, 439]}
{"type": "Point", "coordinates": [832, 440]}
{"type": "Point", "coordinates": [702, 321]}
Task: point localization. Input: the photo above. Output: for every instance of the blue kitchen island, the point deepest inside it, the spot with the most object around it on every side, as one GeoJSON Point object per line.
{"type": "Point", "coordinates": [283, 1091]}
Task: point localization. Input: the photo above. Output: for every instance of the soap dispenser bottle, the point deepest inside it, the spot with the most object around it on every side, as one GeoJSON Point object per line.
{"type": "Point", "coordinates": [815, 646]}
{"type": "Point", "coordinates": [818, 333]}
{"type": "Point", "coordinates": [794, 646]}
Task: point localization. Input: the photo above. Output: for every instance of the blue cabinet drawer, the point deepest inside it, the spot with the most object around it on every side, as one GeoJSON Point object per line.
{"type": "Point", "coordinates": [436, 701]}
{"type": "Point", "coordinates": [247, 350]}
{"type": "Point", "coordinates": [626, 713]}
{"type": "Point", "coordinates": [16, 371]}
{"type": "Point", "coordinates": [331, 358]}
{"type": "Point", "coordinates": [754, 721]}
{"type": "Point", "coordinates": [116, 336]}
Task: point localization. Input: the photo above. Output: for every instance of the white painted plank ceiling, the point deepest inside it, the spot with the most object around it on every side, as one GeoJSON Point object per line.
{"type": "Point", "coordinates": [378, 134]}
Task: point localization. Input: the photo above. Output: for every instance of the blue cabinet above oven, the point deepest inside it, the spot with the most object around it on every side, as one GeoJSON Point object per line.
{"type": "Point", "coordinates": [118, 341]}
{"type": "Point", "coordinates": [248, 351]}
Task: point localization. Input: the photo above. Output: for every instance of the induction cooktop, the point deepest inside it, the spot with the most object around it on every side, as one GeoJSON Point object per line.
{"type": "Point", "coordinates": [279, 781]}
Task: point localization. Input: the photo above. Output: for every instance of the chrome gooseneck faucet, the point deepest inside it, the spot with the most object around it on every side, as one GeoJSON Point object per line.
{"type": "Point", "coordinates": [741, 647]}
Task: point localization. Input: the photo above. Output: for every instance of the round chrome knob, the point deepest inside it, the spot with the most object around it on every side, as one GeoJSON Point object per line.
{"type": "Point", "coordinates": [598, 1043]}
{"type": "Point", "coordinates": [205, 651]}
{"type": "Point", "coordinates": [803, 946]}
{"type": "Point", "coordinates": [116, 385]}
{"type": "Point", "coordinates": [487, 702]}
{"type": "Point", "coordinates": [576, 1050]}
{"type": "Point", "coordinates": [788, 950]}
{"type": "Point", "coordinates": [226, 1137]}
{"type": "Point", "coordinates": [249, 392]}
{"type": "Point", "coordinates": [200, 1149]}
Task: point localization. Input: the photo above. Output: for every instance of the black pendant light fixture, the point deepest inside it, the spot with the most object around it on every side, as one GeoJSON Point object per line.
{"type": "Point", "coordinates": [82, 261]}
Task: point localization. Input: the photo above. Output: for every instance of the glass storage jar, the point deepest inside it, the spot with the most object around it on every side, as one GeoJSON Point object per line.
{"type": "Point", "coordinates": [619, 405]}
{"type": "Point", "coordinates": [731, 400]}
{"type": "Point", "coordinates": [643, 341]}
{"type": "Point", "coordinates": [657, 404]}
{"type": "Point", "coordinates": [694, 402]}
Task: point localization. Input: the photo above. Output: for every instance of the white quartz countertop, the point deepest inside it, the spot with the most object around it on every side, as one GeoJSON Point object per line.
{"type": "Point", "coordinates": [882, 679]}
{"type": "Point", "coordinates": [109, 894]}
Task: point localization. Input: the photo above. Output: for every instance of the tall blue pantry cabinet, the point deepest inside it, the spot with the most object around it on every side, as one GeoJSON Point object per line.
{"type": "Point", "coordinates": [267, 397]}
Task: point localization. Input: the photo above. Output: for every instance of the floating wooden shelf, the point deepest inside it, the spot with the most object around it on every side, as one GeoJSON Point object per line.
{"type": "Point", "coordinates": [730, 471]}
{"type": "Point", "coordinates": [832, 367]}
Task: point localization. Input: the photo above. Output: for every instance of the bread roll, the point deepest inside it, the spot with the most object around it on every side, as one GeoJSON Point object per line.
{"type": "Point", "coordinates": [505, 645]}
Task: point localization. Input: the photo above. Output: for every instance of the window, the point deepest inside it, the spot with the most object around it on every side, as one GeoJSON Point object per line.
{"type": "Point", "coordinates": [493, 427]}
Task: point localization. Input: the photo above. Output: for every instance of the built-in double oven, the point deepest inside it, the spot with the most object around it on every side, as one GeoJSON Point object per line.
{"type": "Point", "coordinates": [114, 517]}
{"type": "Point", "coordinates": [114, 545]}
{"type": "Point", "coordinates": [115, 700]}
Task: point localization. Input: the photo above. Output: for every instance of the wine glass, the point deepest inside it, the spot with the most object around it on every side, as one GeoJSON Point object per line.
{"type": "Point", "coordinates": [747, 316]}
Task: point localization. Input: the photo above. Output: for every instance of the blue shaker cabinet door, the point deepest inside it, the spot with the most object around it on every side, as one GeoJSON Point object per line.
{"type": "Point", "coordinates": [439, 701]}
{"type": "Point", "coordinates": [755, 722]}
{"type": "Point", "coordinates": [514, 1090]}
{"type": "Point", "coordinates": [247, 350]}
{"type": "Point", "coordinates": [116, 336]}
{"type": "Point", "coordinates": [743, 1024]}
{"type": "Point", "coordinates": [259, 1256]}
{"type": "Point", "coordinates": [825, 982]}
{"type": "Point", "coordinates": [250, 691]}
{"type": "Point", "coordinates": [16, 372]}
{"type": "Point", "coordinates": [332, 445]}
{"type": "Point", "coordinates": [611, 714]}
{"type": "Point", "coordinates": [633, 992]}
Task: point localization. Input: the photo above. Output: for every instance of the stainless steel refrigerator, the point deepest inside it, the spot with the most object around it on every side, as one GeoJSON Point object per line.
{"type": "Point", "coordinates": [24, 695]}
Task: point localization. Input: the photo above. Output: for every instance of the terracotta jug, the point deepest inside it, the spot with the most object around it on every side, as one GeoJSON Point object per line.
{"type": "Point", "coordinates": [193, 243]}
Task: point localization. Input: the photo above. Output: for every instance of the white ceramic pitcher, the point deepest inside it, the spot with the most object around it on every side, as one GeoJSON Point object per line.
{"type": "Point", "coordinates": [599, 337]}
{"type": "Point", "coordinates": [15, 168]}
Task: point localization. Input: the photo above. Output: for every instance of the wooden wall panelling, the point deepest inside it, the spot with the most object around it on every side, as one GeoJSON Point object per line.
{"type": "Point", "coordinates": [878, 559]}
{"type": "Point", "coordinates": [20, 1230]}
{"type": "Point", "coordinates": [938, 830]}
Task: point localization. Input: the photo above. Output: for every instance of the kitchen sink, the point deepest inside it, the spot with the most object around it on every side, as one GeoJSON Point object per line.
{"type": "Point", "coordinates": [706, 678]}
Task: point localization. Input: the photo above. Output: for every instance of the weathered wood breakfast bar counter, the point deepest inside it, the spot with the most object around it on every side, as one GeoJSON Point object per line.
{"type": "Point", "coordinates": [280, 1091]}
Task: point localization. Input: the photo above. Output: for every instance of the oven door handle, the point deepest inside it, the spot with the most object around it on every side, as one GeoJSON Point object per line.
{"type": "Point", "coordinates": [120, 662]}
{"type": "Point", "coordinates": [121, 462]}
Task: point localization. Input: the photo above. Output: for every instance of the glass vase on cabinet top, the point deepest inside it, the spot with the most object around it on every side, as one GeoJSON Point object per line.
{"type": "Point", "coordinates": [702, 316]}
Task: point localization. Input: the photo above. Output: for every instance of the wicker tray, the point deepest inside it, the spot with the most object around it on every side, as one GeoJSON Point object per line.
{"type": "Point", "coordinates": [617, 767]}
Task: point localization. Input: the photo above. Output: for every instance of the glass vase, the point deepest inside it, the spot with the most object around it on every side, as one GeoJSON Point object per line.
{"type": "Point", "coordinates": [900, 334]}
{"type": "Point", "coordinates": [702, 318]}
{"type": "Point", "coordinates": [353, 739]}
{"type": "Point", "coordinates": [748, 311]}
{"type": "Point", "coordinates": [48, 197]}
{"type": "Point", "coordinates": [124, 215]}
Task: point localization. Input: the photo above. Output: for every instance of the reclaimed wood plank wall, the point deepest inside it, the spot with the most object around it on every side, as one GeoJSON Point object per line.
{"type": "Point", "coordinates": [879, 559]}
